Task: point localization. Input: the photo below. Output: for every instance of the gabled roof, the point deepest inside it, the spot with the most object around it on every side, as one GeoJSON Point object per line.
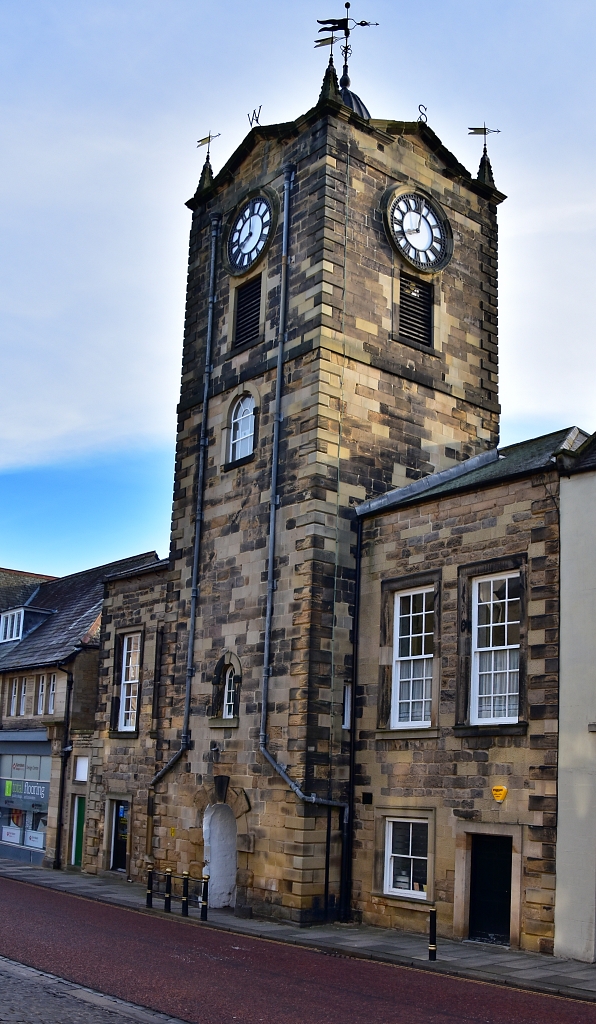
{"type": "Point", "coordinates": [491, 467]}
{"type": "Point", "coordinates": [16, 587]}
{"type": "Point", "coordinates": [581, 459]}
{"type": "Point", "coordinates": [328, 105]}
{"type": "Point", "coordinates": [75, 603]}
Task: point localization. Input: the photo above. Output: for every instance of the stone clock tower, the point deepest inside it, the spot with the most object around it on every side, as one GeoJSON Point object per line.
{"type": "Point", "coordinates": [340, 341]}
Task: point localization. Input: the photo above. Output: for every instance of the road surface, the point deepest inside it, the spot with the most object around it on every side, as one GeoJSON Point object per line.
{"type": "Point", "coordinates": [212, 977]}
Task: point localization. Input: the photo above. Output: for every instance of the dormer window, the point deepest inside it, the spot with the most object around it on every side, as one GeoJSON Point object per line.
{"type": "Point", "coordinates": [11, 625]}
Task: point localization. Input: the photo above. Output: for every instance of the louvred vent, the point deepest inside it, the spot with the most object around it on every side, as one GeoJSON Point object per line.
{"type": "Point", "coordinates": [415, 310]}
{"type": "Point", "coordinates": [248, 311]}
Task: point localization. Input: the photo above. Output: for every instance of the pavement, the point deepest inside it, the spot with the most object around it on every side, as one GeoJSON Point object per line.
{"type": "Point", "coordinates": [472, 960]}
{"type": "Point", "coordinates": [36, 997]}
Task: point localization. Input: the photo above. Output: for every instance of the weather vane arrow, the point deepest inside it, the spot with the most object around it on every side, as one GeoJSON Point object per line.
{"type": "Point", "coordinates": [207, 141]}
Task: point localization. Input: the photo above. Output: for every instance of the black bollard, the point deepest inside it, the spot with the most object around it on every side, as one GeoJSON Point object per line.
{"type": "Point", "coordinates": [205, 896]}
{"type": "Point", "coordinates": [167, 903]}
{"type": "Point", "coordinates": [432, 934]}
{"type": "Point", "coordinates": [150, 889]}
{"type": "Point", "coordinates": [184, 910]}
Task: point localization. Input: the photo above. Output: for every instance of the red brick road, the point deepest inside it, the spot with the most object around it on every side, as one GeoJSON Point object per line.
{"type": "Point", "coordinates": [206, 976]}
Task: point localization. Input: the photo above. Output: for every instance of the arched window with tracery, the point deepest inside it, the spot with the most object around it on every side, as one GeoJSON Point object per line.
{"type": "Point", "coordinates": [242, 437]}
{"type": "Point", "coordinates": [229, 701]}
{"type": "Point", "coordinates": [227, 680]}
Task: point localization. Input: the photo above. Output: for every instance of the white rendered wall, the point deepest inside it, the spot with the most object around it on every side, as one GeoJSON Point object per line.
{"type": "Point", "coordinates": [219, 833]}
{"type": "Point", "coordinates": [575, 910]}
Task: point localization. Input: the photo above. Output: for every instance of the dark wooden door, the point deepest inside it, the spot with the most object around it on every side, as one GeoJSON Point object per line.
{"type": "Point", "coordinates": [490, 889]}
{"type": "Point", "coordinates": [120, 835]}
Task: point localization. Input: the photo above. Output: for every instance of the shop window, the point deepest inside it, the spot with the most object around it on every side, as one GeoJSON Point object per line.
{"type": "Point", "coordinates": [496, 614]}
{"type": "Point", "coordinates": [413, 648]}
{"type": "Point", "coordinates": [242, 434]}
{"type": "Point", "coordinates": [41, 694]}
{"type": "Point", "coordinates": [130, 679]}
{"type": "Point", "coordinates": [406, 857]}
{"type": "Point", "coordinates": [24, 792]}
{"type": "Point", "coordinates": [52, 695]}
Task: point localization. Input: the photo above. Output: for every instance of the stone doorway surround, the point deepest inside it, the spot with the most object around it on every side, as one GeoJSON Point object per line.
{"type": "Point", "coordinates": [463, 863]}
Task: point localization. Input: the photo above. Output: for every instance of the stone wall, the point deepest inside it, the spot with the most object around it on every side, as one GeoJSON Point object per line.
{"type": "Point", "coordinates": [449, 770]}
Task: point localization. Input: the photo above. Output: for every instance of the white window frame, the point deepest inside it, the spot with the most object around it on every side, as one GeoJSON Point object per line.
{"type": "Point", "coordinates": [41, 695]}
{"type": "Point", "coordinates": [389, 889]}
{"type": "Point", "coordinates": [229, 697]}
{"type": "Point", "coordinates": [130, 682]}
{"type": "Point", "coordinates": [242, 428]}
{"type": "Point", "coordinates": [422, 662]}
{"type": "Point", "coordinates": [52, 694]}
{"type": "Point", "coordinates": [11, 625]}
{"type": "Point", "coordinates": [23, 697]}
{"type": "Point", "coordinates": [346, 720]}
{"type": "Point", "coordinates": [14, 692]}
{"type": "Point", "coordinates": [510, 651]}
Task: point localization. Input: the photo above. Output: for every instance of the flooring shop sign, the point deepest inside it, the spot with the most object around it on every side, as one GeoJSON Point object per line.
{"type": "Point", "coordinates": [21, 793]}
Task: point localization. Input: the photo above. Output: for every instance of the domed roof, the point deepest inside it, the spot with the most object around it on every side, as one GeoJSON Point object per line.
{"type": "Point", "coordinates": [350, 98]}
{"type": "Point", "coordinates": [355, 103]}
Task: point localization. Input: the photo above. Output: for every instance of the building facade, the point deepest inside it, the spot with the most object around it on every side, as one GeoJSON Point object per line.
{"type": "Point", "coordinates": [340, 341]}
{"type": "Point", "coordinates": [49, 648]}
{"type": "Point", "coordinates": [458, 683]}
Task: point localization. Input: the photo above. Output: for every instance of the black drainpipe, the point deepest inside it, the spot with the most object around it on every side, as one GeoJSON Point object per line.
{"type": "Point", "coordinates": [196, 556]}
{"type": "Point", "coordinates": [64, 758]}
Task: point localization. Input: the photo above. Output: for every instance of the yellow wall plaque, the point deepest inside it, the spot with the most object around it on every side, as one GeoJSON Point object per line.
{"type": "Point", "coordinates": [499, 793]}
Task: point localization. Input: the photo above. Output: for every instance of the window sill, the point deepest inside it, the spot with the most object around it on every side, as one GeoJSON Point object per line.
{"type": "Point", "coordinates": [407, 902]}
{"type": "Point", "coordinates": [235, 350]}
{"type": "Point", "coordinates": [428, 349]}
{"type": "Point", "coordinates": [238, 462]}
{"type": "Point", "coordinates": [506, 729]}
{"type": "Point", "coordinates": [223, 723]}
{"type": "Point", "coordinates": [128, 734]}
{"type": "Point", "coordinates": [408, 734]}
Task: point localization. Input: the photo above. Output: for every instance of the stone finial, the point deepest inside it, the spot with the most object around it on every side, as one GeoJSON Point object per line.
{"type": "Point", "coordinates": [330, 87]}
{"type": "Point", "coordinates": [206, 178]}
{"type": "Point", "coordinates": [485, 171]}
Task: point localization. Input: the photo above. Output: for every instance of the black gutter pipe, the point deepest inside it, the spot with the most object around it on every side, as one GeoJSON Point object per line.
{"type": "Point", "coordinates": [64, 758]}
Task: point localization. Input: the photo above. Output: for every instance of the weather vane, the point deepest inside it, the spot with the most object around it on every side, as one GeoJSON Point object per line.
{"type": "Point", "coordinates": [484, 131]}
{"type": "Point", "coordinates": [207, 142]}
{"type": "Point", "coordinates": [338, 25]}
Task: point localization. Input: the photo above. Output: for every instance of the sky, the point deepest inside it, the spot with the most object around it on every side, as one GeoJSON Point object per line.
{"type": "Point", "coordinates": [101, 105]}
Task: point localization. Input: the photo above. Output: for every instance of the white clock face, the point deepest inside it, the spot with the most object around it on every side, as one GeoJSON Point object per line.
{"type": "Point", "coordinates": [249, 233]}
{"type": "Point", "coordinates": [419, 231]}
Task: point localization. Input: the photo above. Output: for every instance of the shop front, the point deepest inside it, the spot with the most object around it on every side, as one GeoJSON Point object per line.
{"type": "Point", "coordinates": [25, 764]}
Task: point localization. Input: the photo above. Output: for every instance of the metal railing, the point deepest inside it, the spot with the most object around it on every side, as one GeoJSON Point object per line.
{"type": "Point", "coordinates": [189, 890]}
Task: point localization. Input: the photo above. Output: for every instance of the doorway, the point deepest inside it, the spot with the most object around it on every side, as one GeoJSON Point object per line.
{"type": "Point", "coordinates": [219, 831]}
{"type": "Point", "coordinates": [78, 826]}
{"type": "Point", "coordinates": [120, 835]}
{"type": "Point", "coordinates": [490, 889]}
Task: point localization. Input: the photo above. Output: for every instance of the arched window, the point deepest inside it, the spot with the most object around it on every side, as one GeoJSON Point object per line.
{"type": "Point", "coordinates": [229, 701]}
{"type": "Point", "coordinates": [227, 680]}
{"type": "Point", "coordinates": [243, 428]}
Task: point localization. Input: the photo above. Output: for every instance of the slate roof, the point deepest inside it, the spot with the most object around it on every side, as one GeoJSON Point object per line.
{"type": "Point", "coordinates": [17, 587]}
{"type": "Point", "coordinates": [584, 458]}
{"type": "Point", "coordinates": [76, 603]}
{"type": "Point", "coordinates": [491, 467]}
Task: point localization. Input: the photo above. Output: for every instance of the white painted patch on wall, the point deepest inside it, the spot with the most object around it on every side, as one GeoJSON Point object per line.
{"type": "Point", "coordinates": [219, 832]}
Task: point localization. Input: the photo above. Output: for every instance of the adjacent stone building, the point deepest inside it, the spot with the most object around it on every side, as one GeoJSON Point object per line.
{"type": "Point", "coordinates": [458, 698]}
{"type": "Point", "coordinates": [340, 341]}
{"type": "Point", "coordinates": [49, 647]}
